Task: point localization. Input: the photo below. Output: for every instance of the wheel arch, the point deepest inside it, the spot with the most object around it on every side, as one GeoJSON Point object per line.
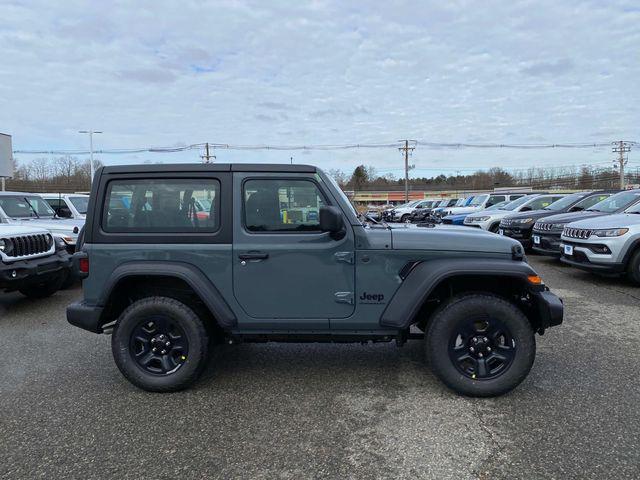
{"type": "Point", "coordinates": [429, 283]}
{"type": "Point", "coordinates": [182, 281]}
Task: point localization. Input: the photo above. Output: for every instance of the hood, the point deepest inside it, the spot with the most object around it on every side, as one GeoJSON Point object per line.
{"type": "Point", "coordinates": [491, 213]}
{"type": "Point", "coordinates": [609, 221]}
{"type": "Point", "coordinates": [54, 225]}
{"type": "Point", "coordinates": [460, 210]}
{"type": "Point", "coordinates": [7, 230]}
{"type": "Point", "coordinates": [452, 238]}
{"type": "Point", "coordinates": [535, 214]}
{"type": "Point", "coordinates": [572, 217]}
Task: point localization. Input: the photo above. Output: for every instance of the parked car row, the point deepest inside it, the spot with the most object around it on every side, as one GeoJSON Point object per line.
{"type": "Point", "coordinates": [597, 230]}
{"type": "Point", "coordinates": [38, 235]}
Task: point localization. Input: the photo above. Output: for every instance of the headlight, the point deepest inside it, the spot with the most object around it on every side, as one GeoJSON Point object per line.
{"type": "Point", "coordinates": [3, 244]}
{"type": "Point", "coordinates": [614, 232]}
{"type": "Point", "coordinates": [524, 221]}
{"type": "Point", "coordinates": [479, 219]}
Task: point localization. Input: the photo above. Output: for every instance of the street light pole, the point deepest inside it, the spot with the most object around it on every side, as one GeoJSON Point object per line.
{"type": "Point", "coordinates": [90, 133]}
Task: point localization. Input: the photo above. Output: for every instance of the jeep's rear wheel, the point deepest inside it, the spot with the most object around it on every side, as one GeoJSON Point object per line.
{"type": "Point", "coordinates": [160, 345]}
{"type": "Point", "coordinates": [480, 345]}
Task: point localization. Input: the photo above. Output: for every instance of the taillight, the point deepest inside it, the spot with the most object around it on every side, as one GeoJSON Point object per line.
{"type": "Point", "coordinates": [83, 265]}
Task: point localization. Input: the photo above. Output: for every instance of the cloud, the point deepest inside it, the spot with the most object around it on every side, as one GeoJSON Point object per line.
{"type": "Point", "coordinates": [555, 67]}
{"type": "Point", "coordinates": [324, 72]}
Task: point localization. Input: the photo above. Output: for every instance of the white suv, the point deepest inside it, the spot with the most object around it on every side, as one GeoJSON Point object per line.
{"type": "Point", "coordinates": [403, 212]}
{"type": "Point", "coordinates": [68, 205]}
{"type": "Point", "coordinates": [608, 244]}
{"type": "Point", "coordinates": [32, 261]}
{"type": "Point", "coordinates": [490, 219]}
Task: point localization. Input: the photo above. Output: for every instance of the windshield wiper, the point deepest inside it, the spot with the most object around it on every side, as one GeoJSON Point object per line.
{"type": "Point", "coordinates": [31, 206]}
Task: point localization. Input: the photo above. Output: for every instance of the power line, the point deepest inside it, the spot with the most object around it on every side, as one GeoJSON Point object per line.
{"type": "Point", "coordinates": [347, 146]}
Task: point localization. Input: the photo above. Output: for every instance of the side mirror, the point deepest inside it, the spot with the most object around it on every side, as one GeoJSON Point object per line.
{"type": "Point", "coordinates": [419, 206]}
{"type": "Point", "coordinates": [525, 209]}
{"type": "Point", "coordinates": [576, 209]}
{"type": "Point", "coordinates": [331, 221]}
{"type": "Point", "coordinates": [64, 212]}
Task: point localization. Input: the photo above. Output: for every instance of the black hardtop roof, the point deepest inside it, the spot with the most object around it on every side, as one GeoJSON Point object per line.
{"type": "Point", "coordinates": [209, 167]}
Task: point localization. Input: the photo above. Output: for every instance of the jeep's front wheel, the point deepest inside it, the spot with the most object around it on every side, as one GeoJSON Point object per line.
{"type": "Point", "coordinates": [160, 345]}
{"type": "Point", "coordinates": [480, 345]}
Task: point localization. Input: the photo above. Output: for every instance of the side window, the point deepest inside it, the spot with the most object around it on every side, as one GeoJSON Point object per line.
{"type": "Point", "coordinates": [55, 203]}
{"type": "Point", "coordinates": [515, 197]}
{"type": "Point", "coordinates": [590, 201]}
{"type": "Point", "coordinates": [282, 206]}
{"type": "Point", "coordinates": [540, 203]}
{"type": "Point", "coordinates": [162, 205]}
{"type": "Point", "coordinates": [493, 199]}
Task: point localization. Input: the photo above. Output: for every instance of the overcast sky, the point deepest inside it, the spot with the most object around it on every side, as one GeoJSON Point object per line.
{"type": "Point", "coordinates": [296, 72]}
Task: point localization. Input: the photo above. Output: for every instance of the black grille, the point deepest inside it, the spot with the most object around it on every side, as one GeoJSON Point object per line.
{"type": "Point", "coordinates": [26, 245]}
{"type": "Point", "coordinates": [571, 232]}
{"type": "Point", "coordinates": [545, 227]}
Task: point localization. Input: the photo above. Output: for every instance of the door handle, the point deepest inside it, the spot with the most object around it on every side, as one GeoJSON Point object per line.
{"type": "Point", "coordinates": [253, 256]}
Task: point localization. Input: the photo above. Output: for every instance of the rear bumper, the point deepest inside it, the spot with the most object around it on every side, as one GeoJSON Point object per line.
{"type": "Point", "coordinates": [85, 316]}
{"type": "Point", "coordinates": [16, 274]}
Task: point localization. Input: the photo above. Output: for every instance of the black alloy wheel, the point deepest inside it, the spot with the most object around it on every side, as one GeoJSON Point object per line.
{"type": "Point", "coordinates": [482, 348]}
{"type": "Point", "coordinates": [159, 345]}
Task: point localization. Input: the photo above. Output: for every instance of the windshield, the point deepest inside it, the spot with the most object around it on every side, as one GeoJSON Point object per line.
{"type": "Point", "coordinates": [460, 202]}
{"type": "Point", "coordinates": [25, 207]}
{"type": "Point", "coordinates": [80, 203]}
{"type": "Point", "coordinates": [616, 202]}
{"type": "Point", "coordinates": [564, 202]}
{"type": "Point", "coordinates": [516, 203]}
{"type": "Point", "coordinates": [497, 206]}
{"type": "Point", "coordinates": [345, 199]}
{"type": "Point", "coordinates": [633, 209]}
{"type": "Point", "coordinates": [479, 200]}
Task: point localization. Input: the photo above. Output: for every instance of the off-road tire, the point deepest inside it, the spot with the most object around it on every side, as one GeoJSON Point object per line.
{"type": "Point", "coordinates": [633, 267]}
{"type": "Point", "coordinates": [178, 313]}
{"type": "Point", "coordinates": [457, 312]}
{"type": "Point", "coordinates": [43, 288]}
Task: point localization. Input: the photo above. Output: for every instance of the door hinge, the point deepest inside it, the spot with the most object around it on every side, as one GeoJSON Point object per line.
{"type": "Point", "coordinates": [344, 297]}
{"type": "Point", "coordinates": [346, 257]}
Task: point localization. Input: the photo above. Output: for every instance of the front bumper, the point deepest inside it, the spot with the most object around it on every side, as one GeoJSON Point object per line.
{"type": "Point", "coordinates": [584, 259]}
{"type": "Point", "coordinates": [15, 274]}
{"type": "Point", "coordinates": [523, 235]}
{"type": "Point", "coordinates": [550, 309]}
{"type": "Point", "coordinates": [549, 244]}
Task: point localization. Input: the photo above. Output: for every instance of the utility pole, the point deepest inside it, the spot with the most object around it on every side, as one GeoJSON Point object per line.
{"type": "Point", "coordinates": [207, 157]}
{"type": "Point", "coordinates": [91, 167]}
{"type": "Point", "coordinates": [621, 148]}
{"type": "Point", "coordinates": [407, 150]}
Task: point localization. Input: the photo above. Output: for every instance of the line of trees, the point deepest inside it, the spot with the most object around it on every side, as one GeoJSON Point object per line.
{"type": "Point", "coordinates": [71, 174]}
{"type": "Point", "coordinates": [64, 174]}
{"type": "Point", "coordinates": [365, 178]}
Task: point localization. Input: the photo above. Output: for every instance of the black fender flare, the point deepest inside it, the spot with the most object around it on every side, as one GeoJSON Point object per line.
{"type": "Point", "coordinates": [191, 275]}
{"type": "Point", "coordinates": [425, 276]}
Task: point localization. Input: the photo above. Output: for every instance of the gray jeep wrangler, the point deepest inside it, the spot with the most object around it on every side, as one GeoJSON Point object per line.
{"type": "Point", "coordinates": [280, 254]}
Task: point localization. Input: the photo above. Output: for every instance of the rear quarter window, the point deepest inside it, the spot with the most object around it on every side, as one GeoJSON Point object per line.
{"type": "Point", "coordinates": [162, 205]}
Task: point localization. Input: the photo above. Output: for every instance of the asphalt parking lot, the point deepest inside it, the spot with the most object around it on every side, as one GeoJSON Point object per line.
{"type": "Point", "coordinates": [330, 411]}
